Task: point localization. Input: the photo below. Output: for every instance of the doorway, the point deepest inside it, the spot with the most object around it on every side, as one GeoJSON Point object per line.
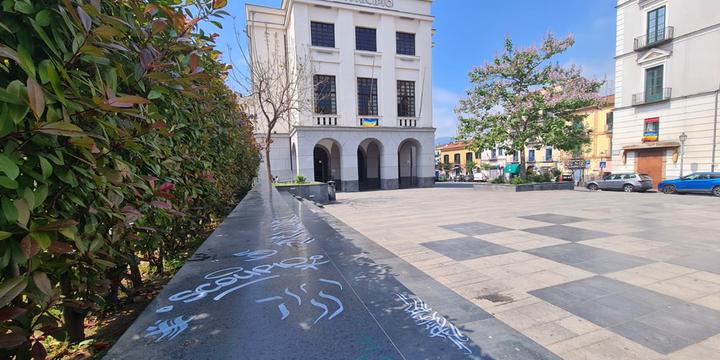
{"type": "Point", "coordinates": [321, 162]}
{"type": "Point", "coordinates": [651, 162]}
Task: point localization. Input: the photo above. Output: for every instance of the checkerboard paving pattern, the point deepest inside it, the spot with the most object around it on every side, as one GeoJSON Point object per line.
{"type": "Point", "coordinates": [585, 275]}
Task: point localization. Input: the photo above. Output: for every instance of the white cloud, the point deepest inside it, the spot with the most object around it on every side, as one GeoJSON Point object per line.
{"type": "Point", "coordinates": [444, 118]}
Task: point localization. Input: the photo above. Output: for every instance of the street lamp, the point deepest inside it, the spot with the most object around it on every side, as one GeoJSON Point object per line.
{"type": "Point", "coordinates": [683, 138]}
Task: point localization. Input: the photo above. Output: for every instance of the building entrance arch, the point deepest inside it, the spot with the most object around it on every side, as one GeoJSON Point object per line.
{"type": "Point", "coordinates": [408, 152]}
{"type": "Point", "coordinates": [368, 155]}
{"type": "Point", "coordinates": [326, 162]}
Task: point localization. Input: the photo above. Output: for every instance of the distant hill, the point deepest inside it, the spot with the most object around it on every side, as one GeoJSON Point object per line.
{"type": "Point", "coordinates": [443, 140]}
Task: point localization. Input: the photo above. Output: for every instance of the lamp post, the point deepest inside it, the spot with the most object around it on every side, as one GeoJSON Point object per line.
{"type": "Point", "coordinates": [683, 138]}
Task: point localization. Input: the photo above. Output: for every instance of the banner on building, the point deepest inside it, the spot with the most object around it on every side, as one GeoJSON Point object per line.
{"type": "Point", "coordinates": [651, 130]}
{"type": "Point", "coordinates": [368, 122]}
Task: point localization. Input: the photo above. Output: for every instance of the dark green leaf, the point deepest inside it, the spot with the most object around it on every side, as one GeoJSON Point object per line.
{"type": "Point", "coordinates": [8, 183]}
{"type": "Point", "coordinates": [9, 210]}
{"type": "Point", "coordinates": [45, 166]}
{"type": "Point", "coordinates": [43, 17]}
{"type": "Point", "coordinates": [9, 167]}
{"type": "Point", "coordinates": [23, 7]}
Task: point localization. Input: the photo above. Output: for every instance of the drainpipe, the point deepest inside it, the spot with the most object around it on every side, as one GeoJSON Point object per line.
{"type": "Point", "coordinates": [715, 126]}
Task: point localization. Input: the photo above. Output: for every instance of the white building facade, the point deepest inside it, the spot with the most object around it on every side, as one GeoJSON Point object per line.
{"type": "Point", "coordinates": [667, 81]}
{"type": "Point", "coordinates": [370, 126]}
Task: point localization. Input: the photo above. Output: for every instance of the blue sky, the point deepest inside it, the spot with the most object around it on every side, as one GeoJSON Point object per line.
{"type": "Point", "coordinates": [470, 32]}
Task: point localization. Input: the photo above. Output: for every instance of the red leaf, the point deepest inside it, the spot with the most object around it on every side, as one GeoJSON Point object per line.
{"type": "Point", "coordinates": [194, 61]}
{"type": "Point", "coordinates": [43, 283]}
{"type": "Point", "coordinates": [127, 101]}
{"type": "Point", "coordinates": [9, 313]}
{"type": "Point", "coordinates": [85, 19]}
{"type": "Point", "coordinates": [161, 204]}
{"type": "Point", "coordinates": [151, 181]}
{"type": "Point", "coordinates": [38, 351]}
{"type": "Point", "coordinates": [59, 248]}
{"type": "Point", "coordinates": [131, 213]}
{"type": "Point", "coordinates": [165, 195]}
{"type": "Point", "coordinates": [28, 247]}
{"type": "Point", "coordinates": [36, 98]}
{"type": "Point", "coordinates": [58, 225]}
{"type": "Point", "coordinates": [166, 186]}
{"type": "Point", "coordinates": [151, 9]}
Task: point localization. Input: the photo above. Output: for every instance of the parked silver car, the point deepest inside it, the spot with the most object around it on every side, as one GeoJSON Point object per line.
{"type": "Point", "coordinates": [626, 182]}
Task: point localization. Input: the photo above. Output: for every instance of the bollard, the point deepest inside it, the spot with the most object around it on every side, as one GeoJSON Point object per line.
{"type": "Point", "coordinates": [331, 191]}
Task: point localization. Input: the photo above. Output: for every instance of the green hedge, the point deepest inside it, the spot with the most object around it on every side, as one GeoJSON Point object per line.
{"type": "Point", "coordinates": [119, 142]}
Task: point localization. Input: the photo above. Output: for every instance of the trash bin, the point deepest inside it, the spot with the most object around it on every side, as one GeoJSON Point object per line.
{"type": "Point", "coordinates": [331, 190]}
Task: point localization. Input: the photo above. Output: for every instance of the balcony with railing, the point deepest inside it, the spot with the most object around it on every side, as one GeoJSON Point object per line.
{"type": "Point", "coordinates": [654, 39]}
{"type": "Point", "coordinates": [325, 119]}
{"type": "Point", "coordinates": [407, 122]}
{"type": "Point", "coordinates": [651, 98]}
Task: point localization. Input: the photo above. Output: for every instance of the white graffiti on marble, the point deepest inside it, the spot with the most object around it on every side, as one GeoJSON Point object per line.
{"type": "Point", "coordinates": [168, 329]}
{"type": "Point", "coordinates": [289, 231]}
{"type": "Point", "coordinates": [285, 312]}
{"type": "Point", "coordinates": [435, 324]}
{"type": "Point", "coordinates": [256, 255]}
{"type": "Point", "coordinates": [164, 309]}
{"type": "Point", "coordinates": [227, 277]}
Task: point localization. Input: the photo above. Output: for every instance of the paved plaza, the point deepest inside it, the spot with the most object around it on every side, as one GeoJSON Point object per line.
{"type": "Point", "coordinates": [584, 275]}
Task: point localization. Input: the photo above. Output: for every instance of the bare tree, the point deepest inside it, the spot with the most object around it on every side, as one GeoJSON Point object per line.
{"type": "Point", "coordinates": [277, 87]}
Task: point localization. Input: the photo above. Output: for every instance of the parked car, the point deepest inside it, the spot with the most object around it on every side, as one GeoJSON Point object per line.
{"type": "Point", "coordinates": [704, 182]}
{"type": "Point", "coordinates": [626, 182]}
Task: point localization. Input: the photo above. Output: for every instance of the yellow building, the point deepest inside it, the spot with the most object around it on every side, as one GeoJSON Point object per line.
{"type": "Point", "coordinates": [455, 155]}
{"type": "Point", "coordinates": [599, 120]}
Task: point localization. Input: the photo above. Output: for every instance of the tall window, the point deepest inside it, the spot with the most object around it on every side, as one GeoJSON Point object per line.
{"type": "Point", "coordinates": [322, 34]}
{"type": "Point", "coordinates": [468, 157]}
{"type": "Point", "coordinates": [406, 98]}
{"type": "Point", "coordinates": [656, 25]}
{"type": "Point", "coordinates": [457, 159]}
{"type": "Point", "coordinates": [405, 43]}
{"type": "Point", "coordinates": [446, 159]}
{"type": "Point", "coordinates": [531, 155]}
{"type": "Point", "coordinates": [609, 121]}
{"type": "Point", "coordinates": [516, 156]}
{"type": "Point", "coordinates": [325, 94]}
{"type": "Point", "coordinates": [365, 39]}
{"type": "Point", "coordinates": [367, 96]}
{"type": "Point", "coordinates": [654, 84]}
{"type": "Point", "coordinates": [493, 154]}
{"type": "Point", "coordinates": [548, 154]}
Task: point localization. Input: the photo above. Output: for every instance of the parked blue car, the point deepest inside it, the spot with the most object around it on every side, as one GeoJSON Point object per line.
{"type": "Point", "coordinates": [701, 182]}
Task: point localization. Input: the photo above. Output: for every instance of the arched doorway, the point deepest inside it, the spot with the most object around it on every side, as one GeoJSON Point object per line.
{"type": "Point", "coordinates": [408, 152]}
{"type": "Point", "coordinates": [326, 162]}
{"type": "Point", "coordinates": [321, 164]}
{"type": "Point", "coordinates": [368, 155]}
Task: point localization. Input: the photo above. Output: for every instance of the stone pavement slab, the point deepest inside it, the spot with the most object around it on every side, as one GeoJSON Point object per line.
{"type": "Point", "coordinates": [466, 248]}
{"type": "Point", "coordinates": [589, 258]}
{"type": "Point", "coordinates": [568, 233]}
{"type": "Point", "coordinates": [554, 218]}
{"type": "Point", "coordinates": [475, 228]}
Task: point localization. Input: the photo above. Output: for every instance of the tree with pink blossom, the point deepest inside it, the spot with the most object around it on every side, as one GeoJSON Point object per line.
{"type": "Point", "coordinates": [524, 99]}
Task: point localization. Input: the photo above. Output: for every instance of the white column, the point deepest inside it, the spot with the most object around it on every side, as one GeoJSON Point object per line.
{"type": "Point", "coordinates": [346, 79]}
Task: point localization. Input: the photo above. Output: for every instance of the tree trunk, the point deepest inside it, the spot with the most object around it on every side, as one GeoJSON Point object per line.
{"type": "Point", "coordinates": [268, 141]}
{"type": "Point", "coordinates": [74, 318]}
{"type": "Point", "coordinates": [160, 268]}
{"type": "Point", "coordinates": [523, 170]}
{"type": "Point", "coordinates": [135, 275]}
{"type": "Point", "coordinates": [114, 275]}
